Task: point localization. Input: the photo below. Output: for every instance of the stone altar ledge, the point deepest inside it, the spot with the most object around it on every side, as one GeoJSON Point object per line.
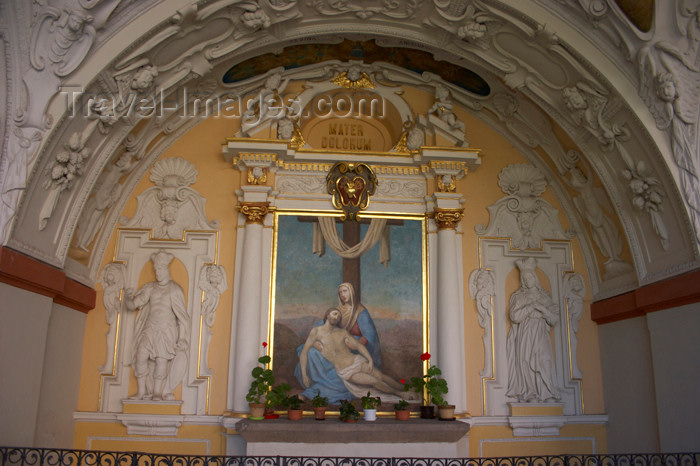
{"type": "Point", "coordinates": [332, 430]}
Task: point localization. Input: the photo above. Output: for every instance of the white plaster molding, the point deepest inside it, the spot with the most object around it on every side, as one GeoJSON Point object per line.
{"type": "Point", "coordinates": [585, 419]}
{"type": "Point", "coordinates": [300, 184]}
{"type": "Point", "coordinates": [171, 206]}
{"type": "Point", "coordinates": [212, 281]}
{"type": "Point", "coordinates": [195, 251]}
{"type": "Point", "coordinates": [151, 424]}
{"type": "Point", "coordinates": [112, 278]}
{"type": "Point", "coordinates": [484, 51]}
{"type": "Point", "coordinates": [523, 216]}
{"type": "Point", "coordinates": [554, 260]}
{"type": "Point", "coordinates": [481, 289]}
{"type": "Point", "coordinates": [536, 426]}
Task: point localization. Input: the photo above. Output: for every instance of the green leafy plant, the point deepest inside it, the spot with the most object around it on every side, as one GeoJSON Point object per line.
{"type": "Point", "coordinates": [277, 395]}
{"type": "Point", "coordinates": [434, 386]}
{"type": "Point", "coordinates": [402, 405]}
{"type": "Point", "coordinates": [263, 379]}
{"type": "Point", "coordinates": [348, 411]}
{"type": "Point", "coordinates": [370, 402]}
{"type": "Point", "coordinates": [292, 402]}
{"type": "Point", "coordinates": [319, 401]}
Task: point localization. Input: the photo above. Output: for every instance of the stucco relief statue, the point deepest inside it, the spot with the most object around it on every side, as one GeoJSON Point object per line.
{"type": "Point", "coordinates": [482, 288]}
{"type": "Point", "coordinates": [574, 291]}
{"type": "Point", "coordinates": [589, 202]}
{"type": "Point", "coordinates": [212, 280]}
{"type": "Point", "coordinates": [482, 284]}
{"type": "Point", "coordinates": [442, 107]}
{"type": "Point", "coordinates": [112, 280]}
{"type": "Point", "coordinates": [107, 191]}
{"type": "Point", "coordinates": [159, 357]}
{"type": "Point", "coordinates": [267, 104]}
{"type": "Point", "coordinates": [531, 372]}
{"type": "Point", "coordinates": [673, 93]}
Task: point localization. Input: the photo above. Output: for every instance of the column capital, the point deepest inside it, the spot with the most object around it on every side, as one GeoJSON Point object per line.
{"type": "Point", "coordinates": [447, 219]}
{"type": "Point", "coordinates": [255, 212]}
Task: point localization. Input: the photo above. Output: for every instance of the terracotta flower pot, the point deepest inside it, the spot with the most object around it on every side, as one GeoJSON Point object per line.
{"type": "Point", "coordinates": [294, 414]}
{"type": "Point", "coordinates": [403, 414]}
{"type": "Point", "coordinates": [446, 413]}
{"type": "Point", "coordinates": [257, 410]}
{"type": "Point", "coordinates": [320, 413]}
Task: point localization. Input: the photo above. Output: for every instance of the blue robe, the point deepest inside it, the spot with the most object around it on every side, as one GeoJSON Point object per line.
{"type": "Point", "coordinates": [324, 378]}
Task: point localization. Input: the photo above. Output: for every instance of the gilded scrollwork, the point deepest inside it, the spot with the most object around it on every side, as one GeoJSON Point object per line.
{"type": "Point", "coordinates": [447, 219]}
{"type": "Point", "coordinates": [255, 212]}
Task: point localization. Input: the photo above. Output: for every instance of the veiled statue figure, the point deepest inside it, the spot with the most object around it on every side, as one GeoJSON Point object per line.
{"type": "Point", "coordinates": [531, 374]}
{"type": "Point", "coordinates": [321, 373]}
{"type": "Point", "coordinates": [161, 330]}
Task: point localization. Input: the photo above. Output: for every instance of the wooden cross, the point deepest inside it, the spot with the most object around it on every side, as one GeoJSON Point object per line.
{"type": "Point", "coordinates": [351, 237]}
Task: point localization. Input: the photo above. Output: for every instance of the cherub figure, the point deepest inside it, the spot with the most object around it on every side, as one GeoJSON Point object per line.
{"type": "Point", "coordinates": [482, 283]}
{"type": "Point", "coordinates": [212, 280]}
{"type": "Point", "coordinates": [442, 107]}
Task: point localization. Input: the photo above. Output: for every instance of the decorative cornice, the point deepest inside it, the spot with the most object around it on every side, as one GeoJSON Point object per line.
{"type": "Point", "coordinates": [29, 274]}
{"type": "Point", "coordinates": [674, 292]}
{"type": "Point", "coordinates": [255, 211]}
{"type": "Point", "coordinates": [447, 219]}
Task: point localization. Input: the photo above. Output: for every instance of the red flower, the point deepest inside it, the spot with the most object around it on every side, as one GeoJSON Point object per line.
{"type": "Point", "coordinates": [403, 380]}
{"type": "Point", "coordinates": [425, 356]}
{"type": "Point", "coordinates": [264, 344]}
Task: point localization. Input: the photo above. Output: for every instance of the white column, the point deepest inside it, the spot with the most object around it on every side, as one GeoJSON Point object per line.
{"type": "Point", "coordinates": [450, 324]}
{"type": "Point", "coordinates": [247, 351]}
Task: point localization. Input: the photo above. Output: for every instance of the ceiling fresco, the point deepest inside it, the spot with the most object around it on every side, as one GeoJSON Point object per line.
{"type": "Point", "coordinates": [639, 12]}
{"type": "Point", "coordinates": [369, 52]}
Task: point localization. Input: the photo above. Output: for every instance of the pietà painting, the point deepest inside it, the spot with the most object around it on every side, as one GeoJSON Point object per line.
{"type": "Point", "coordinates": [371, 273]}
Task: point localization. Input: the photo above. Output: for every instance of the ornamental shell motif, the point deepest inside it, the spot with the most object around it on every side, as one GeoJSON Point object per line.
{"type": "Point", "coordinates": [513, 177]}
{"type": "Point", "coordinates": [173, 172]}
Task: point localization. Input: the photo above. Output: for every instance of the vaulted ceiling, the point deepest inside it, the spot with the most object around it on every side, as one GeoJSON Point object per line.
{"type": "Point", "coordinates": [608, 90]}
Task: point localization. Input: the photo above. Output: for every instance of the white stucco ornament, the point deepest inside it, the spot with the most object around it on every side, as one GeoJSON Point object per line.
{"type": "Point", "coordinates": [171, 206]}
{"type": "Point", "coordinates": [523, 215]}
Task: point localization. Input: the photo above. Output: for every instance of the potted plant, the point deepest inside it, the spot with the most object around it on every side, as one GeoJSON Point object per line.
{"type": "Point", "coordinates": [433, 386]}
{"type": "Point", "coordinates": [275, 397]}
{"type": "Point", "coordinates": [402, 411]}
{"type": "Point", "coordinates": [369, 405]}
{"type": "Point", "coordinates": [293, 404]}
{"type": "Point", "coordinates": [319, 404]}
{"type": "Point", "coordinates": [348, 412]}
{"type": "Point", "coordinates": [263, 379]}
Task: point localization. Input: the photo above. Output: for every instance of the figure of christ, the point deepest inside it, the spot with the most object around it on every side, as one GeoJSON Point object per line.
{"type": "Point", "coordinates": [356, 370]}
{"type": "Point", "coordinates": [322, 373]}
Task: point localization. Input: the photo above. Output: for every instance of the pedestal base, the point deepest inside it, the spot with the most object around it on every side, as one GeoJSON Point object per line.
{"type": "Point", "coordinates": [383, 438]}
